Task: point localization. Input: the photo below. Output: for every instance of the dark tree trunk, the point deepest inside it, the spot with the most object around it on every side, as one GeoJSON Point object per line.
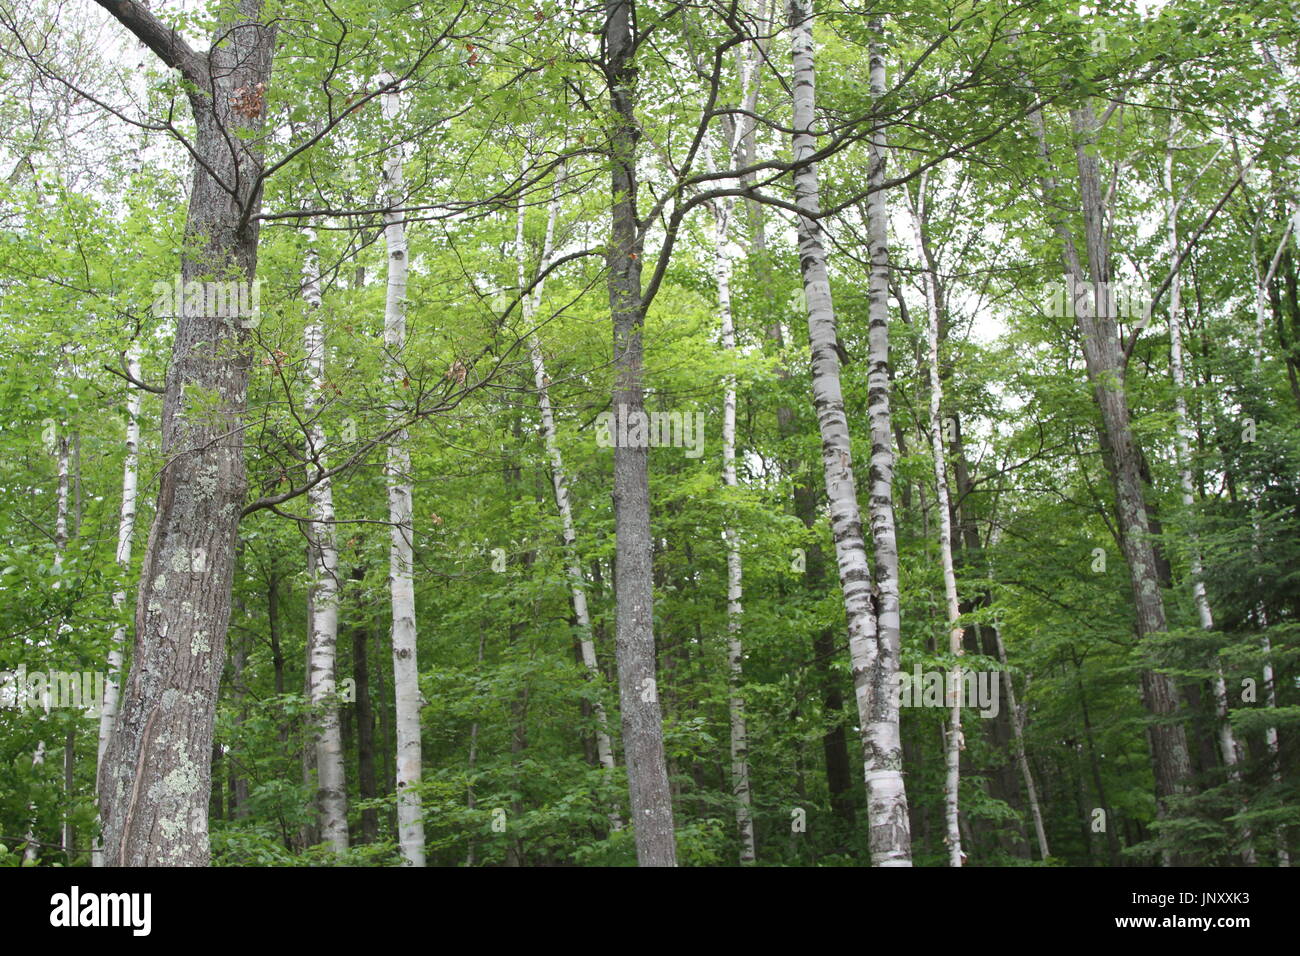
{"type": "Point", "coordinates": [1106, 363]}
{"type": "Point", "coordinates": [1094, 765]}
{"type": "Point", "coordinates": [156, 778]}
{"type": "Point", "coordinates": [643, 745]}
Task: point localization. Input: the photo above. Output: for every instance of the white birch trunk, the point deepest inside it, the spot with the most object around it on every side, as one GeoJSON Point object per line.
{"type": "Point", "coordinates": [735, 609]}
{"type": "Point", "coordinates": [323, 593]}
{"type": "Point", "coordinates": [125, 533]}
{"type": "Point", "coordinates": [954, 741]}
{"type": "Point", "coordinates": [874, 664]}
{"type": "Point", "coordinates": [471, 801]}
{"type": "Point", "coordinates": [1271, 740]}
{"type": "Point", "coordinates": [888, 796]}
{"type": "Point", "coordinates": [406, 673]}
{"type": "Point", "coordinates": [559, 478]}
{"type": "Point", "coordinates": [30, 851]}
{"type": "Point", "coordinates": [738, 136]}
{"type": "Point", "coordinates": [1229, 749]}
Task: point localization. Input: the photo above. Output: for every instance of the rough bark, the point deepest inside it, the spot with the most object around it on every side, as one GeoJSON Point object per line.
{"type": "Point", "coordinates": [647, 770]}
{"type": "Point", "coordinates": [155, 779]}
{"type": "Point", "coordinates": [1103, 355]}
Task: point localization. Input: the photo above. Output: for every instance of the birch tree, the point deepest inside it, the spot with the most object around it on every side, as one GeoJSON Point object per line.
{"type": "Point", "coordinates": [952, 604]}
{"type": "Point", "coordinates": [559, 478]}
{"type": "Point", "coordinates": [888, 797]}
{"type": "Point", "coordinates": [735, 609]}
{"type": "Point", "coordinates": [401, 557]}
{"type": "Point", "coordinates": [874, 659]}
{"type": "Point", "coordinates": [125, 535]}
{"type": "Point", "coordinates": [323, 591]}
{"type": "Point", "coordinates": [738, 143]}
{"type": "Point", "coordinates": [1271, 740]}
{"type": "Point", "coordinates": [1229, 750]}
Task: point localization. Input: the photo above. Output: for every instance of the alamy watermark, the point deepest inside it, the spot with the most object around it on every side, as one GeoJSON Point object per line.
{"type": "Point", "coordinates": [226, 299]}
{"type": "Point", "coordinates": [49, 690]}
{"type": "Point", "coordinates": [1127, 299]}
{"type": "Point", "coordinates": [627, 428]}
{"type": "Point", "coordinates": [979, 689]}
{"type": "Point", "coordinates": [75, 908]}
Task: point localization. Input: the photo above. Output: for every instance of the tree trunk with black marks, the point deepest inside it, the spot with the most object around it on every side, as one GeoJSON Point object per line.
{"type": "Point", "coordinates": [323, 592]}
{"type": "Point", "coordinates": [874, 661]}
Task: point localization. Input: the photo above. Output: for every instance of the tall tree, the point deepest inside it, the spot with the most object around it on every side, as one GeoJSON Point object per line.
{"type": "Point", "coordinates": [643, 741]}
{"type": "Point", "coordinates": [874, 660]}
{"type": "Point", "coordinates": [125, 536]}
{"type": "Point", "coordinates": [1229, 750]}
{"type": "Point", "coordinates": [401, 552]}
{"type": "Point", "coordinates": [952, 604]}
{"type": "Point", "coordinates": [323, 592]}
{"type": "Point", "coordinates": [1105, 359]}
{"type": "Point", "coordinates": [156, 774]}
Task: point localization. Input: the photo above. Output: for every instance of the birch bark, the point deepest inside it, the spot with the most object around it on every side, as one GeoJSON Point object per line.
{"type": "Point", "coordinates": [1229, 749]}
{"type": "Point", "coordinates": [125, 534]}
{"type": "Point", "coordinates": [401, 557]}
{"type": "Point", "coordinates": [874, 662]}
{"type": "Point", "coordinates": [30, 851]}
{"type": "Point", "coordinates": [323, 592]}
{"type": "Point", "coordinates": [954, 740]}
{"type": "Point", "coordinates": [1271, 740]}
{"type": "Point", "coordinates": [885, 780]}
{"type": "Point", "coordinates": [735, 609]}
{"type": "Point", "coordinates": [559, 477]}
